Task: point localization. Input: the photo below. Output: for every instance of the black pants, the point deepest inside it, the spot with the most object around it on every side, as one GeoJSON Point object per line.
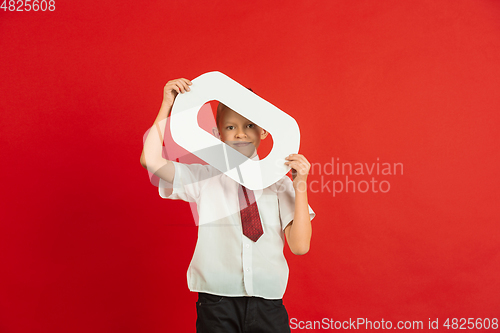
{"type": "Point", "coordinates": [220, 314]}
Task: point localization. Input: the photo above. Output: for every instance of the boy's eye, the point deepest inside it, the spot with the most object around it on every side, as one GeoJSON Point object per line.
{"type": "Point", "coordinates": [229, 127]}
{"type": "Point", "coordinates": [251, 126]}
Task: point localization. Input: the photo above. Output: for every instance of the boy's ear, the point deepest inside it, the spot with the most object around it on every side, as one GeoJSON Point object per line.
{"type": "Point", "coordinates": [215, 132]}
{"type": "Point", "coordinates": [263, 134]}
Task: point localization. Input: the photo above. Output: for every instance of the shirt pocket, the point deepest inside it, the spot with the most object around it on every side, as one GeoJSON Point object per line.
{"type": "Point", "coordinates": [268, 208]}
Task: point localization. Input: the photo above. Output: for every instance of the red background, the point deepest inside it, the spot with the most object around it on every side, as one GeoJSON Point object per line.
{"type": "Point", "coordinates": [86, 243]}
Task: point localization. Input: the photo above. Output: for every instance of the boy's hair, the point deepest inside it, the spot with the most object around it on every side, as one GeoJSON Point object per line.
{"type": "Point", "coordinates": [218, 115]}
{"type": "Point", "coordinates": [220, 109]}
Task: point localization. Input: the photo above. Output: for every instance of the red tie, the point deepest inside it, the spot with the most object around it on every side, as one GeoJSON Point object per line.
{"type": "Point", "coordinates": [250, 219]}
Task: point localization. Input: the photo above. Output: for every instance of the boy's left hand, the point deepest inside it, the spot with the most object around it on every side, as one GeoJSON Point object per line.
{"type": "Point", "coordinates": [300, 169]}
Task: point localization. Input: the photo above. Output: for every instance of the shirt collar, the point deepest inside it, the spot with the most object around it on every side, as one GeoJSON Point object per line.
{"type": "Point", "coordinates": [255, 158]}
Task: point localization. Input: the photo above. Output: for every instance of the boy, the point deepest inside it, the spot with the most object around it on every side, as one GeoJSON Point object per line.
{"type": "Point", "coordinates": [238, 267]}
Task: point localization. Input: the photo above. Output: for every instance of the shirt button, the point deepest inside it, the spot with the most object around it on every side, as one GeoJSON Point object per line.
{"type": "Point", "coordinates": [247, 246]}
{"type": "Point", "coordinates": [248, 269]}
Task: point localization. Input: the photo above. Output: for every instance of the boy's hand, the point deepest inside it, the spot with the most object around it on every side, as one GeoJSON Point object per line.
{"type": "Point", "coordinates": [300, 169]}
{"type": "Point", "coordinates": [174, 87]}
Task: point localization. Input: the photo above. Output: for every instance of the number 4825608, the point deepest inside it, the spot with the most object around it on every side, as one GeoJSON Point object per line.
{"type": "Point", "coordinates": [28, 5]}
{"type": "Point", "coordinates": [471, 323]}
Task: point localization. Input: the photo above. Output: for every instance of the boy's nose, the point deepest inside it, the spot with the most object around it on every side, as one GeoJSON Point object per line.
{"type": "Point", "coordinates": [240, 133]}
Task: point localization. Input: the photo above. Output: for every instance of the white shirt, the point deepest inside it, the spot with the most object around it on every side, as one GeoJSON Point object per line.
{"type": "Point", "coordinates": [225, 262]}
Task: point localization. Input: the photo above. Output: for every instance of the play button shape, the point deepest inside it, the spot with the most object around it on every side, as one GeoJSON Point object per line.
{"type": "Point", "coordinates": [253, 174]}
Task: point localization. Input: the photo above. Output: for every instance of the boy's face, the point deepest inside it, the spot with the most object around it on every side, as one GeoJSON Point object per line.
{"type": "Point", "coordinates": [239, 132]}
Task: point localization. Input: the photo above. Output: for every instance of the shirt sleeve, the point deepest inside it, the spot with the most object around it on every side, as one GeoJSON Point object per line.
{"type": "Point", "coordinates": [188, 181]}
{"type": "Point", "coordinates": [286, 201]}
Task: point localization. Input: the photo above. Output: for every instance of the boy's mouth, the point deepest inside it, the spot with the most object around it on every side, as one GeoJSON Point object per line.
{"type": "Point", "coordinates": [244, 147]}
{"type": "Point", "coordinates": [240, 143]}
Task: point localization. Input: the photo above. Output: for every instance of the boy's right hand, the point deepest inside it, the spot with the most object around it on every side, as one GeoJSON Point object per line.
{"type": "Point", "coordinates": [174, 87]}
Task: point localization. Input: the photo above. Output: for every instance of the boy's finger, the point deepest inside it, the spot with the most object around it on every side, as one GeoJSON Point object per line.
{"type": "Point", "coordinates": [182, 87]}
{"type": "Point", "coordinates": [186, 80]}
{"type": "Point", "coordinates": [185, 85]}
{"type": "Point", "coordinates": [170, 85]}
{"type": "Point", "coordinates": [178, 88]}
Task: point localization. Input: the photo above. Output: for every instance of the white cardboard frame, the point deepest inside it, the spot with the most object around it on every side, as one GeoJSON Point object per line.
{"type": "Point", "coordinates": [186, 132]}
